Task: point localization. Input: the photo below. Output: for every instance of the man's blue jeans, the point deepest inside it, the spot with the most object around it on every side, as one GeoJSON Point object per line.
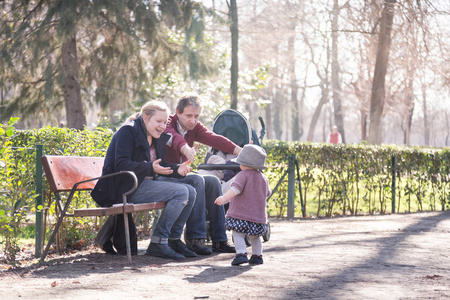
{"type": "Point", "coordinates": [208, 188]}
{"type": "Point", "coordinates": [179, 198]}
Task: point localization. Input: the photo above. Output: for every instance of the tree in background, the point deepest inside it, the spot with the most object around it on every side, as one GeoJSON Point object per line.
{"type": "Point", "coordinates": [234, 28]}
{"type": "Point", "coordinates": [335, 71]}
{"type": "Point", "coordinates": [294, 58]}
{"type": "Point", "coordinates": [73, 54]}
{"type": "Point", "coordinates": [265, 36]}
{"type": "Point", "coordinates": [379, 77]}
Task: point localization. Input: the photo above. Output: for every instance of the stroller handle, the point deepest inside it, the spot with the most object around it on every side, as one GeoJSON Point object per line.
{"type": "Point", "coordinates": [263, 129]}
{"type": "Point", "coordinates": [219, 167]}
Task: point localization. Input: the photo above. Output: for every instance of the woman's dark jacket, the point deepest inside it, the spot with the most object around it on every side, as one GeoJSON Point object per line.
{"type": "Point", "coordinates": [129, 151]}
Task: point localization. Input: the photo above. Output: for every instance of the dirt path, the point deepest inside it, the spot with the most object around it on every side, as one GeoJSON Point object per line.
{"type": "Point", "coordinates": [370, 257]}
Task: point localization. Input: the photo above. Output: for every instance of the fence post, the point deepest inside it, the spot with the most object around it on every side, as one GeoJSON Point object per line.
{"type": "Point", "coordinates": [39, 202]}
{"type": "Point", "coordinates": [291, 188]}
{"type": "Point", "coordinates": [303, 204]}
{"type": "Point", "coordinates": [394, 165]}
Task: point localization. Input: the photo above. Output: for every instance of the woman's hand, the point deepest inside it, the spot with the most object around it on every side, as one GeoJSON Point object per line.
{"type": "Point", "coordinates": [160, 169]}
{"type": "Point", "coordinates": [184, 168]}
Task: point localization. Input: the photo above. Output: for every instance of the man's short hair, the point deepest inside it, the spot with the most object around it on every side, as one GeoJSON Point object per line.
{"type": "Point", "coordinates": [188, 99]}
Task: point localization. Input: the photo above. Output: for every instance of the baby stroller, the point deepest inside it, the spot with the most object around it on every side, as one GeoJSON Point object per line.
{"type": "Point", "coordinates": [235, 126]}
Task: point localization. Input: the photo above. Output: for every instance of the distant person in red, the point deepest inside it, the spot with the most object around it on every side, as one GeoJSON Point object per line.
{"type": "Point", "coordinates": [335, 136]}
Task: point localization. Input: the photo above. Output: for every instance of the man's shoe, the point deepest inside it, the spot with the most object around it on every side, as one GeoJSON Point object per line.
{"type": "Point", "coordinates": [108, 248]}
{"type": "Point", "coordinates": [164, 251]}
{"type": "Point", "coordinates": [240, 259]}
{"type": "Point", "coordinates": [179, 247]}
{"type": "Point", "coordinates": [198, 246]}
{"type": "Point", "coordinates": [256, 260]}
{"type": "Point", "coordinates": [223, 247]}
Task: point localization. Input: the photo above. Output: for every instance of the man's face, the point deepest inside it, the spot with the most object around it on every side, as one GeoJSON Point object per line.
{"type": "Point", "coordinates": [189, 118]}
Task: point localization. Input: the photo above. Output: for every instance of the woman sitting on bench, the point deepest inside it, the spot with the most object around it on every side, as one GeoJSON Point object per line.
{"type": "Point", "coordinates": [140, 146]}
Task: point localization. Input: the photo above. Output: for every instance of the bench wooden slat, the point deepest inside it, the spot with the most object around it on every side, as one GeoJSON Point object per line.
{"type": "Point", "coordinates": [117, 209]}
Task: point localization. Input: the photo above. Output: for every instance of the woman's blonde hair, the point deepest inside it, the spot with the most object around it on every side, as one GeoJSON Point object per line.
{"type": "Point", "coordinates": [149, 109]}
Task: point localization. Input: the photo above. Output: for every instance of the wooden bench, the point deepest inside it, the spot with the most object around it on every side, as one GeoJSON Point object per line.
{"type": "Point", "coordinates": [80, 173]}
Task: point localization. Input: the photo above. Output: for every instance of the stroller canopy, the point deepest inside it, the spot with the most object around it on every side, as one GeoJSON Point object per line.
{"type": "Point", "coordinates": [233, 125]}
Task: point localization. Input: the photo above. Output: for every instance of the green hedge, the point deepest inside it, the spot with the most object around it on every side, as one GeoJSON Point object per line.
{"type": "Point", "coordinates": [346, 179]}
{"type": "Point", "coordinates": [358, 178]}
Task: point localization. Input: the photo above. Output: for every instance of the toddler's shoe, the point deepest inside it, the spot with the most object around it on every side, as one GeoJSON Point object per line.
{"type": "Point", "coordinates": [256, 260]}
{"type": "Point", "coordinates": [240, 259]}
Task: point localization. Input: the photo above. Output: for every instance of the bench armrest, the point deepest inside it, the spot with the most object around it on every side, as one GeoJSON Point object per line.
{"type": "Point", "coordinates": [75, 186]}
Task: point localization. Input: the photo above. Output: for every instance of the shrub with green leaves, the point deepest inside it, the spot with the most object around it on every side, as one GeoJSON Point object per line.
{"type": "Point", "coordinates": [16, 191]}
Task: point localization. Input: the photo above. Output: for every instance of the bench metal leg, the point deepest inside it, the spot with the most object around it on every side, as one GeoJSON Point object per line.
{"type": "Point", "coordinates": [127, 236]}
{"type": "Point", "coordinates": [58, 224]}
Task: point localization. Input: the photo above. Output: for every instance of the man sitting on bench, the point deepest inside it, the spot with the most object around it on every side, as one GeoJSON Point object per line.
{"type": "Point", "coordinates": [186, 129]}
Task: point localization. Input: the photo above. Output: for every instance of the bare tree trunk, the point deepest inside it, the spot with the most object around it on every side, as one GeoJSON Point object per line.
{"type": "Point", "coordinates": [409, 89]}
{"type": "Point", "coordinates": [361, 95]}
{"type": "Point", "coordinates": [301, 111]}
{"type": "Point", "coordinates": [268, 121]}
{"type": "Point", "coordinates": [296, 130]}
{"type": "Point", "coordinates": [277, 118]}
{"type": "Point", "coordinates": [363, 126]}
{"type": "Point", "coordinates": [316, 115]}
{"type": "Point", "coordinates": [269, 115]}
{"type": "Point", "coordinates": [409, 110]}
{"type": "Point", "coordinates": [338, 115]}
{"type": "Point", "coordinates": [2, 97]}
{"type": "Point", "coordinates": [448, 128]}
{"type": "Point", "coordinates": [234, 53]}
{"type": "Point", "coordinates": [324, 87]}
{"type": "Point", "coordinates": [379, 77]}
{"type": "Point", "coordinates": [426, 125]}
{"type": "Point", "coordinates": [72, 90]}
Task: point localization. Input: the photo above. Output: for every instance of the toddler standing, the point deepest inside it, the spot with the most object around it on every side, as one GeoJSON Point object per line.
{"type": "Point", "coordinates": [247, 212]}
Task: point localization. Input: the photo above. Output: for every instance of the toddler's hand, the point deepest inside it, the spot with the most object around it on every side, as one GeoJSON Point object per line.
{"type": "Point", "coordinates": [220, 200]}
